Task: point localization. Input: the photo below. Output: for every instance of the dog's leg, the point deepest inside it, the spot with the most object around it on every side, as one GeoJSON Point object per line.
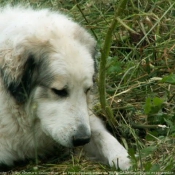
{"type": "Point", "coordinates": [105, 147]}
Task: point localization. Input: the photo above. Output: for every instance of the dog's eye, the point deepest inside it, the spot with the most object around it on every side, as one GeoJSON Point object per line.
{"type": "Point", "coordinates": [61, 92]}
{"type": "Point", "coordinates": [87, 90]}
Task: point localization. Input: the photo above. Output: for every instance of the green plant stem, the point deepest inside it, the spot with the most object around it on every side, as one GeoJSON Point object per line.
{"type": "Point", "coordinates": [139, 126]}
{"type": "Point", "coordinates": [102, 72]}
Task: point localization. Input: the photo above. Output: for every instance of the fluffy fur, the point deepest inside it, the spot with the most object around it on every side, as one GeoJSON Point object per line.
{"type": "Point", "coordinates": [46, 74]}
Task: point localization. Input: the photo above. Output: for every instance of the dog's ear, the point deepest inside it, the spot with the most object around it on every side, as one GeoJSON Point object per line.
{"type": "Point", "coordinates": [20, 87]}
{"type": "Point", "coordinates": [87, 40]}
{"type": "Point", "coordinates": [18, 66]}
{"type": "Point", "coordinates": [19, 81]}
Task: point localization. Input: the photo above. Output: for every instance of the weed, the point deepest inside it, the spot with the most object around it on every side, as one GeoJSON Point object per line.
{"type": "Point", "coordinates": [139, 79]}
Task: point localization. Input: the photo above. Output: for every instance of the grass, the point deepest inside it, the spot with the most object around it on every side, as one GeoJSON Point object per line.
{"type": "Point", "coordinates": [139, 82]}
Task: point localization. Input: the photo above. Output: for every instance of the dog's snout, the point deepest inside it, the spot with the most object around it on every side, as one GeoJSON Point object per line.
{"type": "Point", "coordinates": [79, 141]}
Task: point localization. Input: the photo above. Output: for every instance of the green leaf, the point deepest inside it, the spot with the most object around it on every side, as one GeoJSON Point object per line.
{"type": "Point", "coordinates": [131, 152]}
{"type": "Point", "coordinates": [170, 166]}
{"type": "Point", "coordinates": [155, 168]}
{"type": "Point", "coordinates": [74, 169]}
{"type": "Point", "coordinates": [148, 166]}
{"type": "Point", "coordinates": [157, 102]}
{"type": "Point", "coordinates": [169, 79]}
{"type": "Point", "coordinates": [148, 150]}
{"type": "Point", "coordinates": [153, 105]}
{"type": "Point", "coordinates": [171, 125]}
{"type": "Point", "coordinates": [147, 107]}
{"type": "Point", "coordinates": [115, 67]}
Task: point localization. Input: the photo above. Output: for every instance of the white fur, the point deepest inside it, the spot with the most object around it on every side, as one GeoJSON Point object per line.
{"type": "Point", "coordinates": [65, 50]}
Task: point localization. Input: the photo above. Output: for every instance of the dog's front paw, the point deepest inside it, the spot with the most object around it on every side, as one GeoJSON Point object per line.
{"type": "Point", "coordinates": [120, 162]}
{"type": "Point", "coordinates": [117, 155]}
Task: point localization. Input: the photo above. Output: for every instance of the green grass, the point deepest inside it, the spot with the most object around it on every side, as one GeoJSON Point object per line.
{"type": "Point", "coordinates": [142, 52]}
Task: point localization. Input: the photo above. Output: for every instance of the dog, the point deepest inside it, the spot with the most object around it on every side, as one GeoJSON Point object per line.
{"type": "Point", "coordinates": [46, 76]}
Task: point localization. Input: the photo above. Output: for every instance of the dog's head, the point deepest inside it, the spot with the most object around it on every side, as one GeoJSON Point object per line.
{"type": "Point", "coordinates": [51, 75]}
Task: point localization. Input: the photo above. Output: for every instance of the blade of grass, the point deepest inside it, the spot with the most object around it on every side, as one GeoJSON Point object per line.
{"type": "Point", "coordinates": [79, 8]}
{"type": "Point", "coordinates": [157, 22]}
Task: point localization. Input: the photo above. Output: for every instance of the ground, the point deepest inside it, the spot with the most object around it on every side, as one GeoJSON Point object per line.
{"type": "Point", "coordinates": [139, 83]}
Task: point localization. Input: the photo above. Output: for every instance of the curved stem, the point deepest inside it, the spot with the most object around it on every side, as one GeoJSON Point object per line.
{"type": "Point", "coordinates": [102, 72]}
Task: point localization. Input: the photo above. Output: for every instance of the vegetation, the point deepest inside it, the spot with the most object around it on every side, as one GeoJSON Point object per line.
{"type": "Point", "coordinates": [139, 80]}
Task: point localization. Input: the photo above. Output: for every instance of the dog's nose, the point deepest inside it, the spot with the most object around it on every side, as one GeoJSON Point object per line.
{"type": "Point", "coordinates": [79, 141]}
{"type": "Point", "coordinates": [82, 136]}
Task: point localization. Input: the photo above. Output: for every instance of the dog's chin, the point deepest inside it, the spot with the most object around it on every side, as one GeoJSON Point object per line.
{"type": "Point", "coordinates": [64, 142]}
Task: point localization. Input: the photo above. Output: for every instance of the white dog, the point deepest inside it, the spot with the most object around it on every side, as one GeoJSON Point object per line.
{"type": "Point", "coordinates": [46, 74]}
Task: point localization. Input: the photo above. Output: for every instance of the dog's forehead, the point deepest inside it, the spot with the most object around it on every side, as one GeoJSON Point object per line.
{"type": "Point", "coordinates": [74, 65]}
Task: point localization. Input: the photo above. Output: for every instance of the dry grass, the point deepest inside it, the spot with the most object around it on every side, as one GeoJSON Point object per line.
{"type": "Point", "coordinates": [141, 54]}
